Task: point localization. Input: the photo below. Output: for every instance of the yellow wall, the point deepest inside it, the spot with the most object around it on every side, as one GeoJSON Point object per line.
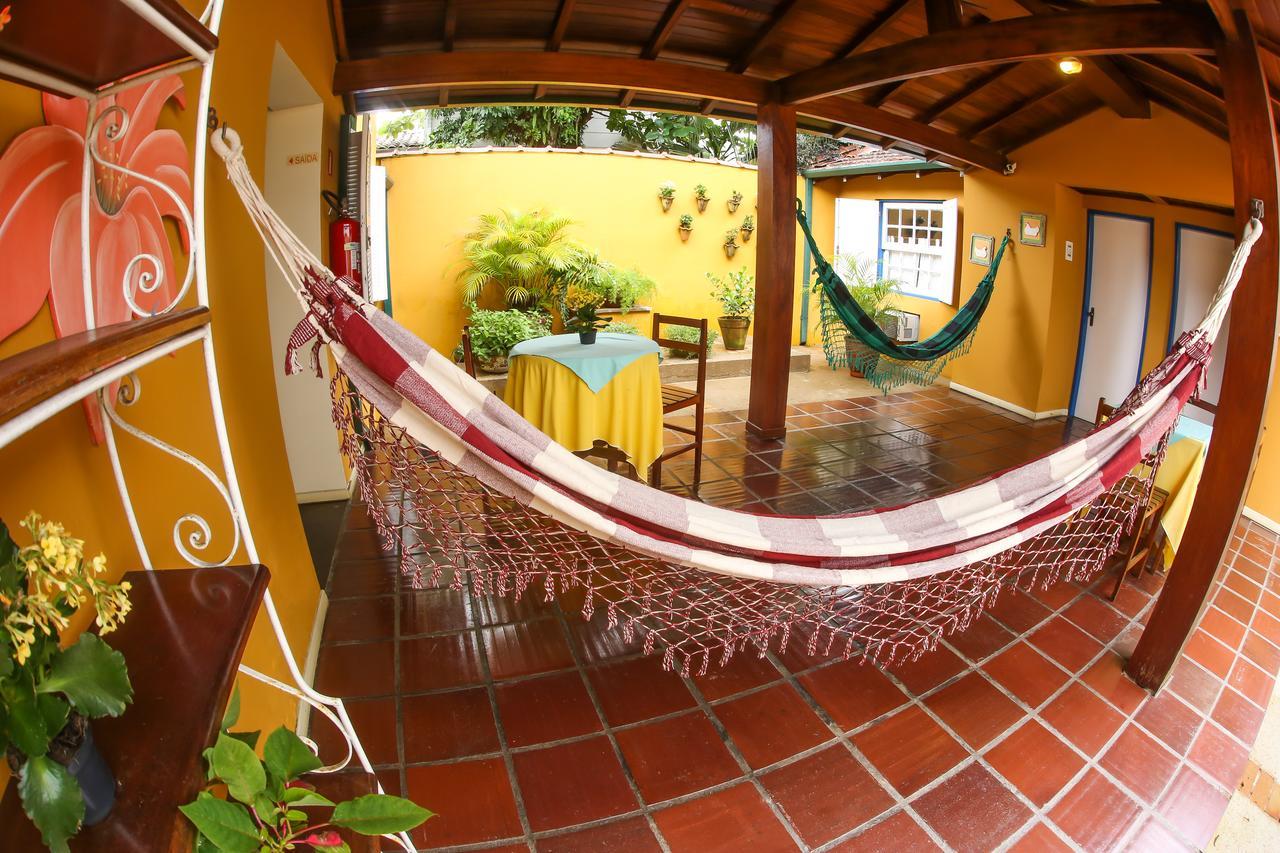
{"type": "Point", "coordinates": [56, 470]}
{"type": "Point", "coordinates": [612, 198]}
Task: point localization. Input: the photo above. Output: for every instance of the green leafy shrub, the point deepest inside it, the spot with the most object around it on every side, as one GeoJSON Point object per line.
{"type": "Point", "coordinates": [47, 692]}
{"type": "Point", "coordinates": [617, 327]}
{"type": "Point", "coordinates": [873, 294]}
{"type": "Point", "coordinates": [262, 812]}
{"type": "Point", "coordinates": [687, 335]}
{"type": "Point", "coordinates": [524, 254]}
{"type": "Point", "coordinates": [494, 333]}
{"type": "Point", "coordinates": [616, 287]}
{"type": "Point", "coordinates": [735, 292]}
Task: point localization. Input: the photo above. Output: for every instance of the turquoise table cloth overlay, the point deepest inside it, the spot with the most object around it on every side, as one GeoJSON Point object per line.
{"type": "Point", "coordinates": [595, 364]}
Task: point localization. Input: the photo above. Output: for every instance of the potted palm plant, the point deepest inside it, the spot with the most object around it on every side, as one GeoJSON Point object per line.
{"type": "Point", "coordinates": [873, 294]}
{"type": "Point", "coordinates": [49, 691]}
{"type": "Point", "coordinates": [666, 194]}
{"type": "Point", "coordinates": [686, 226]}
{"type": "Point", "coordinates": [748, 227]}
{"type": "Point", "coordinates": [520, 253]}
{"type": "Point", "coordinates": [736, 294]}
{"type": "Point", "coordinates": [733, 201]}
{"type": "Point", "coordinates": [702, 197]}
{"type": "Point", "coordinates": [731, 242]}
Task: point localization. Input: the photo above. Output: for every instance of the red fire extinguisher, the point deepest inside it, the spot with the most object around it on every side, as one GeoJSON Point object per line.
{"type": "Point", "coordinates": [344, 240]}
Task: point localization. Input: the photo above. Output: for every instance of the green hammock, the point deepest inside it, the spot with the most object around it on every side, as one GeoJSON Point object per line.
{"type": "Point", "coordinates": [850, 338]}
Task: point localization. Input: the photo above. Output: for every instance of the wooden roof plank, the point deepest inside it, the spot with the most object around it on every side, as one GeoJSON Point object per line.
{"type": "Point", "coordinates": [1112, 29]}
{"type": "Point", "coordinates": [874, 27]}
{"type": "Point", "coordinates": [776, 23]}
{"type": "Point", "coordinates": [959, 96]}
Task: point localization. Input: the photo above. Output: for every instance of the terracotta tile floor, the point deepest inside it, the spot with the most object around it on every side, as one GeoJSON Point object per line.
{"type": "Point", "coordinates": [526, 729]}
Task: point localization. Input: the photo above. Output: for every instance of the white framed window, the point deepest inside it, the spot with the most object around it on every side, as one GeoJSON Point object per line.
{"type": "Point", "coordinates": [918, 247]}
{"type": "Point", "coordinates": [913, 242]}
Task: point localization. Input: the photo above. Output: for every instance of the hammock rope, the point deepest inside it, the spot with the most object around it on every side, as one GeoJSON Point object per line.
{"type": "Point", "coordinates": [852, 338]}
{"type": "Point", "coordinates": [468, 492]}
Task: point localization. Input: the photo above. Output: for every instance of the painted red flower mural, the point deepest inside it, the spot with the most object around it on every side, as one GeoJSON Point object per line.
{"type": "Point", "coordinates": [130, 250]}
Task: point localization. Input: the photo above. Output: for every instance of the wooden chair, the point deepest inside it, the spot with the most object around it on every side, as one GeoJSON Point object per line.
{"type": "Point", "coordinates": [675, 398]}
{"type": "Point", "coordinates": [1143, 548]}
{"type": "Point", "coordinates": [468, 357]}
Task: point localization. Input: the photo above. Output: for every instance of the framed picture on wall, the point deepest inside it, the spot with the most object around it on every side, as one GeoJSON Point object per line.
{"type": "Point", "coordinates": [1031, 229]}
{"type": "Point", "coordinates": [981, 248]}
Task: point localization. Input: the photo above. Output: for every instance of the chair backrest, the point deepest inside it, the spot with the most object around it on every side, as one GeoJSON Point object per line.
{"type": "Point", "coordinates": [699, 349]}
{"type": "Point", "coordinates": [468, 358]}
{"type": "Point", "coordinates": [1105, 411]}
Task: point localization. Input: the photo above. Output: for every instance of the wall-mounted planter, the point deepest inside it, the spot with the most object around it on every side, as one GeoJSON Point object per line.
{"type": "Point", "coordinates": [746, 234]}
{"type": "Point", "coordinates": [734, 201]}
{"type": "Point", "coordinates": [666, 203]}
{"type": "Point", "coordinates": [702, 204]}
{"type": "Point", "coordinates": [730, 249]}
{"type": "Point", "coordinates": [684, 234]}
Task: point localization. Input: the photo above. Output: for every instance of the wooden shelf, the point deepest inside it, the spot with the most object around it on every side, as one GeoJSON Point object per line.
{"type": "Point", "coordinates": [91, 44]}
{"type": "Point", "coordinates": [35, 375]}
{"type": "Point", "coordinates": [183, 642]}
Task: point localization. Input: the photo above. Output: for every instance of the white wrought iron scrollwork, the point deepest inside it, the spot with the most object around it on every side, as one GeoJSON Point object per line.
{"type": "Point", "coordinates": [112, 124]}
{"type": "Point", "coordinates": [200, 538]}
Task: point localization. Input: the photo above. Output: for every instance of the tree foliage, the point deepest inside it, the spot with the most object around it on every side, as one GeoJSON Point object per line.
{"type": "Point", "coordinates": [509, 127]}
{"type": "Point", "coordinates": [696, 136]}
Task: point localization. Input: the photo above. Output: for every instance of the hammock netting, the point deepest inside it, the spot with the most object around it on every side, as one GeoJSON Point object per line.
{"type": "Point", "coordinates": [467, 492]}
{"type": "Point", "coordinates": [852, 338]}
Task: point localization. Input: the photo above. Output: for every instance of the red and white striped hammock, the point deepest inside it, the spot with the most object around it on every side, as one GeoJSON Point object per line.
{"type": "Point", "coordinates": [467, 491]}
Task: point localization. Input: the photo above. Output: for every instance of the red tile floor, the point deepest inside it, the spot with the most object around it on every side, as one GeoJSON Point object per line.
{"type": "Point", "coordinates": [526, 729]}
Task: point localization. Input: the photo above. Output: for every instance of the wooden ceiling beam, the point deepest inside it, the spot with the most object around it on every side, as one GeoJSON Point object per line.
{"type": "Point", "coordinates": [1059, 121]}
{"type": "Point", "coordinates": [417, 71]}
{"type": "Point", "coordinates": [942, 15]}
{"type": "Point", "coordinates": [786, 9]}
{"type": "Point", "coordinates": [1016, 108]}
{"type": "Point", "coordinates": [874, 27]}
{"type": "Point", "coordinates": [561, 26]}
{"type": "Point", "coordinates": [1109, 29]}
{"type": "Point", "coordinates": [450, 26]}
{"type": "Point", "coordinates": [884, 93]}
{"type": "Point", "coordinates": [1103, 77]}
{"type": "Point", "coordinates": [1190, 111]}
{"type": "Point", "coordinates": [658, 40]}
{"type": "Point", "coordinates": [1172, 72]}
{"type": "Point", "coordinates": [963, 94]}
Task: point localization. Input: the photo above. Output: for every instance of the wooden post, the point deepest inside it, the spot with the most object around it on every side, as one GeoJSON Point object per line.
{"type": "Point", "coordinates": [1247, 377]}
{"type": "Point", "coordinates": [775, 270]}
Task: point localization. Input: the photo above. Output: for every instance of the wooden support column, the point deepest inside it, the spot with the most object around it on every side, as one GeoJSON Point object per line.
{"type": "Point", "coordinates": [1247, 375]}
{"type": "Point", "coordinates": [775, 270]}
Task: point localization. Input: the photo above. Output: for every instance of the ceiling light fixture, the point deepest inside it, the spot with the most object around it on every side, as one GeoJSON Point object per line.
{"type": "Point", "coordinates": [1070, 65]}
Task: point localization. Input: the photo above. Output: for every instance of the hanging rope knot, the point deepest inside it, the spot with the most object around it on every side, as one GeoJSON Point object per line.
{"type": "Point", "coordinates": [1196, 344]}
{"type": "Point", "coordinates": [321, 296]}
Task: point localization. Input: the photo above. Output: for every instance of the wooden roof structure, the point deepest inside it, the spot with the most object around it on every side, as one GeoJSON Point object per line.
{"type": "Point", "coordinates": [863, 69]}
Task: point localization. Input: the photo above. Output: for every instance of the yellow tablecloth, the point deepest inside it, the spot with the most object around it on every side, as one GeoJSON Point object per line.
{"type": "Point", "coordinates": [1179, 475]}
{"type": "Point", "coordinates": [627, 413]}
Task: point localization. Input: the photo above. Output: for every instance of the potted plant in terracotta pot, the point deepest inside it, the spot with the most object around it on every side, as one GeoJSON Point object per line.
{"type": "Point", "coordinates": [731, 242]}
{"type": "Point", "coordinates": [494, 333]}
{"type": "Point", "coordinates": [701, 196]}
{"type": "Point", "coordinates": [874, 295]}
{"type": "Point", "coordinates": [734, 201]}
{"type": "Point", "coordinates": [686, 226]}
{"type": "Point", "coordinates": [580, 313]}
{"type": "Point", "coordinates": [736, 294]}
{"type": "Point", "coordinates": [48, 692]}
{"type": "Point", "coordinates": [748, 227]}
{"type": "Point", "coordinates": [666, 194]}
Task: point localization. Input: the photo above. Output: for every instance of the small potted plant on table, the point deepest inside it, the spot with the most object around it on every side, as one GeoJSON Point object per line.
{"type": "Point", "coordinates": [580, 313]}
{"type": "Point", "coordinates": [686, 226]}
{"type": "Point", "coordinates": [733, 201]}
{"type": "Point", "coordinates": [702, 197]}
{"type": "Point", "coordinates": [736, 294]}
{"type": "Point", "coordinates": [666, 194]}
{"type": "Point", "coordinates": [731, 242]}
{"type": "Point", "coordinates": [748, 227]}
{"type": "Point", "coordinates": [49, 693]}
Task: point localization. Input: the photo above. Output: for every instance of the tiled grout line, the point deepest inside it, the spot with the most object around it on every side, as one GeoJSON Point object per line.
{"type": "Point", "coordinates": [608, 731]}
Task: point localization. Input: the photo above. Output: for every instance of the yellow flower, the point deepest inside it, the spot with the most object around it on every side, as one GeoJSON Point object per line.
{"type": "Point", "coordinates": [99, 564]}
{"type": "Point", "coordinates": [577, 298]}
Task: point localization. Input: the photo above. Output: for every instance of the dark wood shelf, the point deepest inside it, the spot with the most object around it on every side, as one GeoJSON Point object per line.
{"type": "Point", "coordinates": [91, 44]}
{"type": "Point", "coordinates": [33, 376]}
{"type": "Point", "coordinates": [183, 642]}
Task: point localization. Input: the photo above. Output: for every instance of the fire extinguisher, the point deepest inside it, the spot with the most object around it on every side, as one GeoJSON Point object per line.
{"type": "Point", "coordinates": [344, 240]}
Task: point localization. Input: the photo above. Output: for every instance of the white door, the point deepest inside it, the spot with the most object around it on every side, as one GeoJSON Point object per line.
{"type": "Point", "coordinates": [1202, 260]}
{"type": "Point", "coordinates": [292, 184]}
{"type": "Point", "coordinates": [1112, 327]}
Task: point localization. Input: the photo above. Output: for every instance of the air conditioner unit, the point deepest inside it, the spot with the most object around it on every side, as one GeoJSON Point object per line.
{"type": "Point", "coordinates": [908, 326]}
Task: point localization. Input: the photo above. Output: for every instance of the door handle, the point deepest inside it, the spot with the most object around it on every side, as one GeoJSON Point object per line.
{"type": "Point", "coordinates": [1091, 318]}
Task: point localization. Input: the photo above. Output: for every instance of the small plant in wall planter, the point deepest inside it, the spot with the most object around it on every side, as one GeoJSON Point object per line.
{"type": "Point", "coordinates": [702, 197]}
{"type": "Point", "coordinates": [686, 226]}
{"type": "Point", "coordinates": [731, 242]}
{"type": "Point", "coordinates": [748, 227]}
{"type": "Point", "coordinates": [667, 194]}
{"type": "Point", "coordinates": [734, 201]}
